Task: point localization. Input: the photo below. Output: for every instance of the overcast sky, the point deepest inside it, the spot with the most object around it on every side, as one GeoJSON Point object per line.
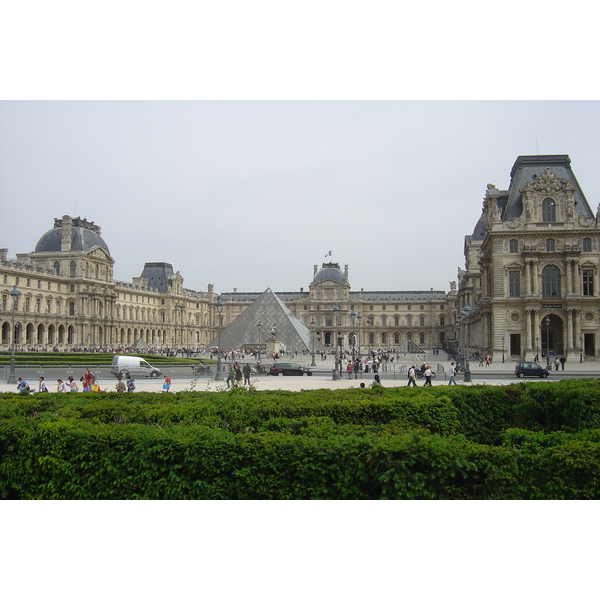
{"type": "Point", "coordinates": [252, 194]}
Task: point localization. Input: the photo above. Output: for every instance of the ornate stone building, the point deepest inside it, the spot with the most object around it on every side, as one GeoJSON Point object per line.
{"type": "Point", "coordinates": [530, 283]}
{"type": "Point", "coordinates": [531, 266]}
{"type": "Point", "coordinates": [69, 299]}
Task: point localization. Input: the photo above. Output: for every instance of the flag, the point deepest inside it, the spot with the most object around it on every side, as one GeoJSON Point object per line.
{"type": "Point", "coordinates": [328, 254]}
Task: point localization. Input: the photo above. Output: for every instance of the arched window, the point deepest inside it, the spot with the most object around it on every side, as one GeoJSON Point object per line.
{"type": "Point", "coordinates": [550, 245]}
{"type": "Point", "coordinates": [548, 210]}
{"type": "Point", "coordinates": [551, 282]}
{"type": "Point", "coordinates": [587, 244]}
{"type": "Point", "coordinates": [57, 268]}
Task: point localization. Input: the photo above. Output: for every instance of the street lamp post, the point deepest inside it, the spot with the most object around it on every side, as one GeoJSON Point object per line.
{"type": "Point", "coordinates": [353, 317]}
{"type": "Point", "coordinates": [547, 323]}
{"type": "Point", "coordinates": [14, 294]}
{"type": "Point", "coordinates": [219, 375]}
{"type": "Point", "coordinates": [467, 310]}
{"type": "Point", "coordinates": [258, 349]}
{"type": "Point", "coordinates": [312, 329]}
{"type": "Point", "coordinates": [503, 349]}
{"type": "Point", "coordinates": [580, 349]}
{"type": "Point", "coordinates": [537, 348]}
{"type": "Point", "coordinates": [336, 375]}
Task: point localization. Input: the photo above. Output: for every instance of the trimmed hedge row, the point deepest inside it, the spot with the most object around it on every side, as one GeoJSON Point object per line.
{"type": "Point", "coordinates": [85, 359]}
{"type": "Point", "coordinates": [395, 443]}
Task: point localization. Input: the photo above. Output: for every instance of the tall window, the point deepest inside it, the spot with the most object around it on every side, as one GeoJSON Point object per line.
{"type": "Point", "coordinates": [513, 246]}
{"type": "Point", "coordinates": [421, 321]}
{"type": "Point", "coordinates": [548, 210]}
{"type": "Point", "coordinates": [551, 282]}
{"type": "Point", "coordinates": [57, 268]}
{"type": "Point", "coordinates": [587, 244]}
{"type": "Point", "coordinates": [442, 321]}
{"type": "Point", "coordinates": [383, 320]}
{"type": "Point", "coordinates": [588, 282]}
{"type": "Point", "coordinates": [550, 245]}
{"type": "Point", "coordinates": [409, 320]}
{"type": "Point", "coordinates": [396, 338]}
{"type": "Point", "coordinates": [421, 338]}
{"type": "Point", "coordinates": [514, 284]}
{"type": "Point", "coordinates": [397, 321]}
{"type": "Point", "coordinates": [72, 269]}
{"type": "Point", "coordinates": [383, 339]}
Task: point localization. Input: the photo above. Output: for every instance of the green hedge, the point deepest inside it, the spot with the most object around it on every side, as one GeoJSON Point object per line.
{"type": "Point", "coordinates": [524, 441]}
{"type": "Point", "coordinates": [90, 358]}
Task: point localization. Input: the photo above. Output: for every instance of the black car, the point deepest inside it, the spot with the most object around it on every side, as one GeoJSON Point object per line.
{"type": "Point", "coordinates": [288, 369]}
{"type": "Point", "coordinates": [530, 369]}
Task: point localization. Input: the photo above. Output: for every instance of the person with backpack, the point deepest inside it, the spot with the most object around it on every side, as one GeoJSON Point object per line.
{"type": "Point", "coordinates": [452, 373]}
{"type": "Point", "coordinates": [42, 386]}
{"type": "Point", "coordinates": [72, 385]}
{"type": "Point", "coordinates": [130, 384]}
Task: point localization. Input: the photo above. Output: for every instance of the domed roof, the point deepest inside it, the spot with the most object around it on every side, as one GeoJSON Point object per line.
{"type": "Point", "coordinates": [329, 271]}
{"type": "Point", "coordinates": [84, 236]}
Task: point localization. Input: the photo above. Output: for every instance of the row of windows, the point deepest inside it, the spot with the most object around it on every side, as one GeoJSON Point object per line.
{"type": "Point", "coordinates": [513, 245]}
{"type": "Point", "coordinates": [327, 321]}
{"type": "Point", "coordinates": [550, 282]}
{"type": "Point", "coordinates": [383, 307]}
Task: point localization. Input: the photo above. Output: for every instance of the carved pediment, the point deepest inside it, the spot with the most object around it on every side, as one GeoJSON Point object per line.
{"type": "Point", "coordinates": [512, 223]}
{"type": "Point", "coordinates": [548, 183]}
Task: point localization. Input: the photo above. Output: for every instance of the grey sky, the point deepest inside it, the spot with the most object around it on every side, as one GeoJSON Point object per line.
{"type": "Point", "coordinates": [251, 195]}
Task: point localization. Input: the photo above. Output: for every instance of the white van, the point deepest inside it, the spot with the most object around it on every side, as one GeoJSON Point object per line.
{"type": "Point", "coordinates": [134, 366]}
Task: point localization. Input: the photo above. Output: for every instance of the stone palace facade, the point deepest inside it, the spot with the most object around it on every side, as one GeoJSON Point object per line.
{"type": "Point", "coordinates": [529, 285]}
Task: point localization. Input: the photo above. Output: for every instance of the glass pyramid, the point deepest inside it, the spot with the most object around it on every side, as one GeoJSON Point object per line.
{"type": "Point", "coordinates": [272, 314]}
{"type": "Point", "coordinates": [409, 347]}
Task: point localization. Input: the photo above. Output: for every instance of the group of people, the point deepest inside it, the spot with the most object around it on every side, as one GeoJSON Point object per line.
{"type": "Point", "coordinates": [425, 371]}
{"type": "Point", "coordinates": [88, 383]}
{"type": "Point", "coordinates": [235, 374]}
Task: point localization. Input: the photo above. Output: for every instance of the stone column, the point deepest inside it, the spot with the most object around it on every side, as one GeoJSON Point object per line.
{"type": "Point", "coordinates": [528, 341]}
{"type": "Point", "coordinates": [569, 340]}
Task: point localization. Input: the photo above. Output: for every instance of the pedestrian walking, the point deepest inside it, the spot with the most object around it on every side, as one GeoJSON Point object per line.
{"type": "Point", "coordinates": [72, 385]}
{"type": "Point", "coordinates": [411, 377]}
{"type": "Point", "coordinates": [376, 381]}
{"type": "Point", "coordinates": [428, 375]}
{"type": "Point", "coordinates": [88, 380]}
{"type": "Point", "coordinates": [130, 384]}
{"type": "Point", "coordinates": [230, 376]}
{"type": "Point", "coordinates": [42, 386]}
{"type": "Point", "coordinates": [121, 387]}
{"type": "Point", "coordinates": [23, 387]}
{"type": "Point", "coordinates": [238, 375]}
{"type": "Point", "coordinates": [563, 360]}
{"type": "Point", "coordinates": [166, 384]}
{"type": "Point", "coordinates": [247, 371]}
{"type": "Point", "coordinates": [61, 387]}
{"type": "Point", "coordinates": [452, 373]}
{"type": "Point", "coordinates": [349, 370]}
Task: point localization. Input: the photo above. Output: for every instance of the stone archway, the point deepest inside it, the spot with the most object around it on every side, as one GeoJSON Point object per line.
{"type": "Point", "coordinates": [552, 336]}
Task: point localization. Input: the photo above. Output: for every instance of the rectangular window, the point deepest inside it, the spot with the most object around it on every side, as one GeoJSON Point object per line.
{"type": "Point", "coordinates": [513, 246]}
{"type": "Point", "coordinates": [396, 321]}
{"type": "Point", "coordinates": [550, 245]}
{"type": "Point", "coordinates": [421, 321]}
{"type": "Point", "coordinates": [71, 308]}
{"type": "Point", "coordinates": [588, 282]}
{"type": "Point", "coordinates": [587, 244]}
{"type": "Point", "coordinates": [514, 284]}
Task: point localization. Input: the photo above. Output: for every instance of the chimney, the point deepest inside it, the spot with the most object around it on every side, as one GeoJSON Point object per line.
{"type": "Point", "coordinates": [67, 229]}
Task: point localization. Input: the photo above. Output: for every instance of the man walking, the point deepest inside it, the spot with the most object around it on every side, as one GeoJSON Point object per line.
{"type": "Point", "coordinates": [411, 377]}
{"type": "Point", "coordinates": [452, 373]}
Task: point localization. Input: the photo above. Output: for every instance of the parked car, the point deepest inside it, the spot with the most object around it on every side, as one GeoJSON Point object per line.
{"type": "Point", "coordinates": [530, 369]}
{"type": "Point", "coordinates": [135, 366]}
{"type": "Point", "coordinates": [288, 369]}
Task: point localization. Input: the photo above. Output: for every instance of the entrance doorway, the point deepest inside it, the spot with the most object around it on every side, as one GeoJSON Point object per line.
{"type": "Point", "coordinates": [589, 344]}
{"type": "Point", "coordinates": [515, 344]}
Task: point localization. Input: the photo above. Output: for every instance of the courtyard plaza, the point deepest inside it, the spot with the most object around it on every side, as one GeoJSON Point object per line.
{"type": "Point", "coordinates": [395, 375]}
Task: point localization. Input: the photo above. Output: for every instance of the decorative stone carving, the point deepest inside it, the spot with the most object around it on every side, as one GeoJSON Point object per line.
{"type": "Point", "coordinates": [548, 183]}
{"type": "Point", "coordinates": [513, 223]}
{"type": "Point", "coordinates": [584, 221]}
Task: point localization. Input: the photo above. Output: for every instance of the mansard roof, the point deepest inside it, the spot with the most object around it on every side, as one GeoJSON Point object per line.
{"type": "Point", "coordinates": [530, 168]}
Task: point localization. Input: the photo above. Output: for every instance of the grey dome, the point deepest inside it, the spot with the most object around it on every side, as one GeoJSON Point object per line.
{"type": "Point", "coordinates": [329, 272]}
{"type": "Point", "coordinates": [84, 236]}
